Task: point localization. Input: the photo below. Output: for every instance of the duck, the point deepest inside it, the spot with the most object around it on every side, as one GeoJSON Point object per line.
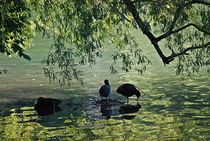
{"type": "Point", "coordinates": [105, 90]}
{"type": "Point", "coordinates": [45, 106]}
{"type": "Point", "coordinates": [128, 90]}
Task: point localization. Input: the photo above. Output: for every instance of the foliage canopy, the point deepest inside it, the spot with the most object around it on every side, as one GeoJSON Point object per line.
{"type": "Point", "coordinates": [80, 28]}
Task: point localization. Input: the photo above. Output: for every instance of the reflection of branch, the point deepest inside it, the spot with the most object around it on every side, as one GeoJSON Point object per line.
{"type": "Point", "coordinates": [184, 52]}
{"type": "Point", "coordinates": [179, 29]}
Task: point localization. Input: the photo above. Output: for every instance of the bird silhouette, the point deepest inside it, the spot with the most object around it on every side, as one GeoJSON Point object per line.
{"type": "Point", "coordinates": [128, 90]}
{"type": "Point", "coordinates": [105, 89]}
{"type": "Point", "coordinates": [46, 106]}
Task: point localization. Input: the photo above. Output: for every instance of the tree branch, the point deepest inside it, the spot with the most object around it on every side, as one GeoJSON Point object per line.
{"type": "Point", "coordinates": [180, 29]}
{"type": "Point", "coordinates": [184, 52]}
{"type": "Point", "coordinates": [131, 8]}
{"type": "Point", "coordinates": [121, 14]}
{"type": "Point", "coordinates": [204, 2]}
{"type": "Point", "coordinates": [176, 16]}
{"type": "Point", "coordinates": [166, 60]}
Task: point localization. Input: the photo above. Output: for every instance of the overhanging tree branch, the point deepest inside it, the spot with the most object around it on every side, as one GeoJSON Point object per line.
{"type": "Point", "coordinates": [204, 2]}
{"type": "Point", "coordinates": [180, 29]}
{"type": "Point", "coordinates": [131, 8]}
{"type": "Point", "coordinates": [184, 52]}
{"type": "Point", "coordinates": [166, 60]}
{"type": "Point", "coordinates": [181, 7]}
{"type": "Point", "coordinates": [121, 14]}
{"type": "Point", "coordinates": [176, 16]}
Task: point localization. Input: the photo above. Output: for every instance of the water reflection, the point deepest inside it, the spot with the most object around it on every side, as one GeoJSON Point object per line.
{"type": "Point", "coordinates": [116, 109]}
{"type": "Point", "coordinates": [106, 109]}
{"type": "Point", "coordinates": [127, 111]}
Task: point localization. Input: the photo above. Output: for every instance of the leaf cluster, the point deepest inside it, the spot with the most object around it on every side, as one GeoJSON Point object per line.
{"type": "Point", "coordinates": [80, 30]}
{"type": "Point", "coordinates": [16, 30]}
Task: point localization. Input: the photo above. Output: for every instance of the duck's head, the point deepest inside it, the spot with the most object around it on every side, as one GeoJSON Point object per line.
{"type": "Point", "coordinates": [138, 94]}
{"type": "Point", "coordinates": [40, 99]}
{"type": "Point", "coordinates": [106, 82]}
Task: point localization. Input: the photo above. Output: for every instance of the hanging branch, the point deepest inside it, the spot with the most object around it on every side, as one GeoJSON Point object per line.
{"type": "Point", "coordinates": [154, 40]}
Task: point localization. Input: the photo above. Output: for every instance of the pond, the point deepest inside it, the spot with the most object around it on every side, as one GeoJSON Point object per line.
{"type": "Point", "coordinates": [171, 108]}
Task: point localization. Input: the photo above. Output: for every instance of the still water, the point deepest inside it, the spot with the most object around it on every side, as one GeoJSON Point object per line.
{"type": "Point", "coordinates": [171, 108]}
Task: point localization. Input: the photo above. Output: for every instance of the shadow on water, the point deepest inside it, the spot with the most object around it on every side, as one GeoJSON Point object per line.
{"type": "Point", "coordinates": [186, 100]}
{"type": "Point", "coordinates": [179, 96]}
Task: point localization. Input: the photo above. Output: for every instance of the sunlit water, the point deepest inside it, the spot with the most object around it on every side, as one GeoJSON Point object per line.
{"type": "Point", "coordinates": [172, 108]}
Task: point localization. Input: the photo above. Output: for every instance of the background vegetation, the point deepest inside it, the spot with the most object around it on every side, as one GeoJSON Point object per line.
{"type": "Point", "coordinates": [80, 29]}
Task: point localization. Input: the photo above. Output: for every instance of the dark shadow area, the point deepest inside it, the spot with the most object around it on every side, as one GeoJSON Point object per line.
{"type": "Point", "coordinates": [6, 108]}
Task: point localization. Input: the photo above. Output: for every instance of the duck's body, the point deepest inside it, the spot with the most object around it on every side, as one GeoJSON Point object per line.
{"type": "Point", "coordinates": [128, 90]}
{"type": "Point", "coordinates": [105, 89]}
{"type": "Point", "coordinates": [46, 105]}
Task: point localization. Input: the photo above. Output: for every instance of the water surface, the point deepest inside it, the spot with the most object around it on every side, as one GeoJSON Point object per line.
{"type": "Point", "coordinates": [172, 108]}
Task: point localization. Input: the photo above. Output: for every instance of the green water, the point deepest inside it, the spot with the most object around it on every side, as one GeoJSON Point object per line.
{"type": "Point", "coordinates": [172, 108]}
